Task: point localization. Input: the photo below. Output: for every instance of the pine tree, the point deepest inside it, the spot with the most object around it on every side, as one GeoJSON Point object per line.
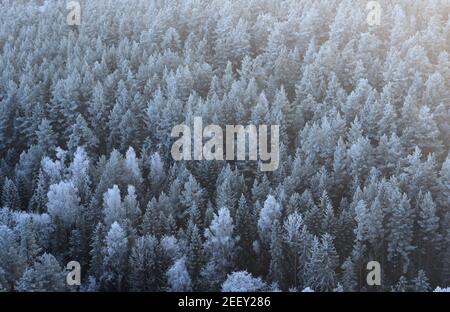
{"type": "Point", "coordinates": [429, 236]}
{"type": "Point", "coordinates": [225, 196]}
{"type": "Point", "coordinates": [270, 212]}
{"type": "Point", "coordinates": [112, 206]}
{"type": "Point", "coordinates": [79, 174]}
{"type": "Point", "coordinates": [12, 263]}
{"type": "Point", "coordinates": [64, 203]}
{"type": "Point", "coordinates": [111, 173]}
{"type": "Point", "coordinates": [28, 247]}
{"type": "Point", "coordinates": [419, 175]}
{"type": "Point", "coordinates": [348, 278]}
{"type": "Point", "coordinates": [400, 227]}
{"type": "Point", "coordinates": [45, 137]}
{"type": "Point", "coordinates": [82, 135]}
{"type": "Point", "coordinates": [329, 222]}
{"type": "Point", "coordinates": [446, 254]}
{"type": "Point", "coordinates": [422, 132]}
{"type": "Point", "coordinates": [260, 111]}
{"type": "Point", "coordinates": [313, 219]}
{"type": "Point", "coordinates": [322, 262]}
{"type": "Point", "coordinates": [340, 174]}
{"type": "Point", "coordinates": [362, 219]}
{"type": "Point", "coordinates": [38, 200]}
{"type": "Point", "coordinates": [389, 150]}
{"type": "Point", "coordinates": [276, 270]}
{"type": "Point", "coordinates": [401, 285]}
{"type": "Point", "coordinates": [115, 259]}
{"type": "Point", "coordinates": [192, 193]}
{"type": "Point", "coordinates": [132, 168]}
{"type": "Point", "coordinates": [3, 283]}
{"type": "Point", "coordinates": [151, 222]}
{"type": "Point", "coordinates": [243, 281]}
{"type": "Point", "coordinates": [194, 215]}
{"type": "Point", "coordinates": [444, 199]}
{"type": "Point", "coordinates": [7, 114]}
{"type": "Point", "coordinates": [361, 158]}
{"type": "Point", "coordinates": [144, 263]}
{"type": "Point", "coordinates": [128, 130]}
{"type": "Point", "coordinates": [97, 117]}
{"type": "Point", "coordinates": [45, 275]}
{"type": "Point", "coordinates": [296, 239]}
{"type": "Point", "coordinates": [131, 207]}
{"type": "Point", "coordinates": [219, 246]}
{"type": "Point", "coordinates": [157, 174]}
{"type": "Point", "coordinates": [194, 254]}
{"type": "Point", "coordinates": [10, 196]}
{"type": "Point", "coordinates": [97, 252]}
{"type": "Point", "coordinates": [329, 262]}
{"type": "Point", "coordinates": [246, 230]}
{"type": "Point", "coordinates": [178, 277]}
{"type": "Point", "coordinates": [421, 282]}
{"type": "Point", "coordinates": [312, 268]}
{"type": "Point", "coordinates": [261, 189]}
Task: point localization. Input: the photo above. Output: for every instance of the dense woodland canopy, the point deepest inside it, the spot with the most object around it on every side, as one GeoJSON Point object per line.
{"type": "Point", "coordinates": [86, 172]}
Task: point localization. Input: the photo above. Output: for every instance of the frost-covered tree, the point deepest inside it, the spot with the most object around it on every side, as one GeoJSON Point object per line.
{"type": "Point", "coordinates": [348, 279]}
{"type": "Point", "coordinates": [320, 268]}
{"type": "Point", "coordinates": [178, 276]}
{"type": "Point", "coordinates": [113, 208]}
{"type": "Point", "coordinates": [145, 267]}
{"type": "Point", "coordinates": [131, 206]}
{"type": "Point", "coordinates": [45, 275]}
{"type": "Point", "coordinates": [400, 234]}
{"type": "Point", "coordinates": [401, 285]}
{"type": "Point", "coordinates": [12, 264]}
{"type": "Point", "coordinates": [10, 196]}
{"type": "Point", "coordinates": [157, 174]}
{"type": "Point", "coordinates": [270, 212]}
{"type": "Point", "coordinates": [132, 168]}
{"type": "Point", "coordinates": [82, 135]}
{"type": "Point", "coordinates": [276, 269]}
{"type": "Point", "coordinates": [38, 200]}
{"type": "Point", "coordinates": [97, 252]}
{"type": "Point", "coordinates": [220, 245]}
{"type": "Point", "coordinates": [421, 282]}
{"type": "Point", "coordinates": [45, 136]}
{"type": "Point", "coordinates": [3, 282]}
{"type": "Point", "coordinates": [242, 281]}
{"type": "Point", "coordinates": [115, 260]}
{"type": "Point", "coordinates": [246, 229]}
{"type": "Point", "coordinates": [429, 236]}
{"type": "Point", "coordinates": [194, 254]}
{"type": "Point", "coordinates": [64, 202]}
{"type": "Point", "coordinates": [79, 174]}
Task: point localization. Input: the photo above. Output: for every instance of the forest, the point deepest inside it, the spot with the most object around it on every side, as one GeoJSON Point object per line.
{"type": "Point", "coordinates": [86, 173]}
